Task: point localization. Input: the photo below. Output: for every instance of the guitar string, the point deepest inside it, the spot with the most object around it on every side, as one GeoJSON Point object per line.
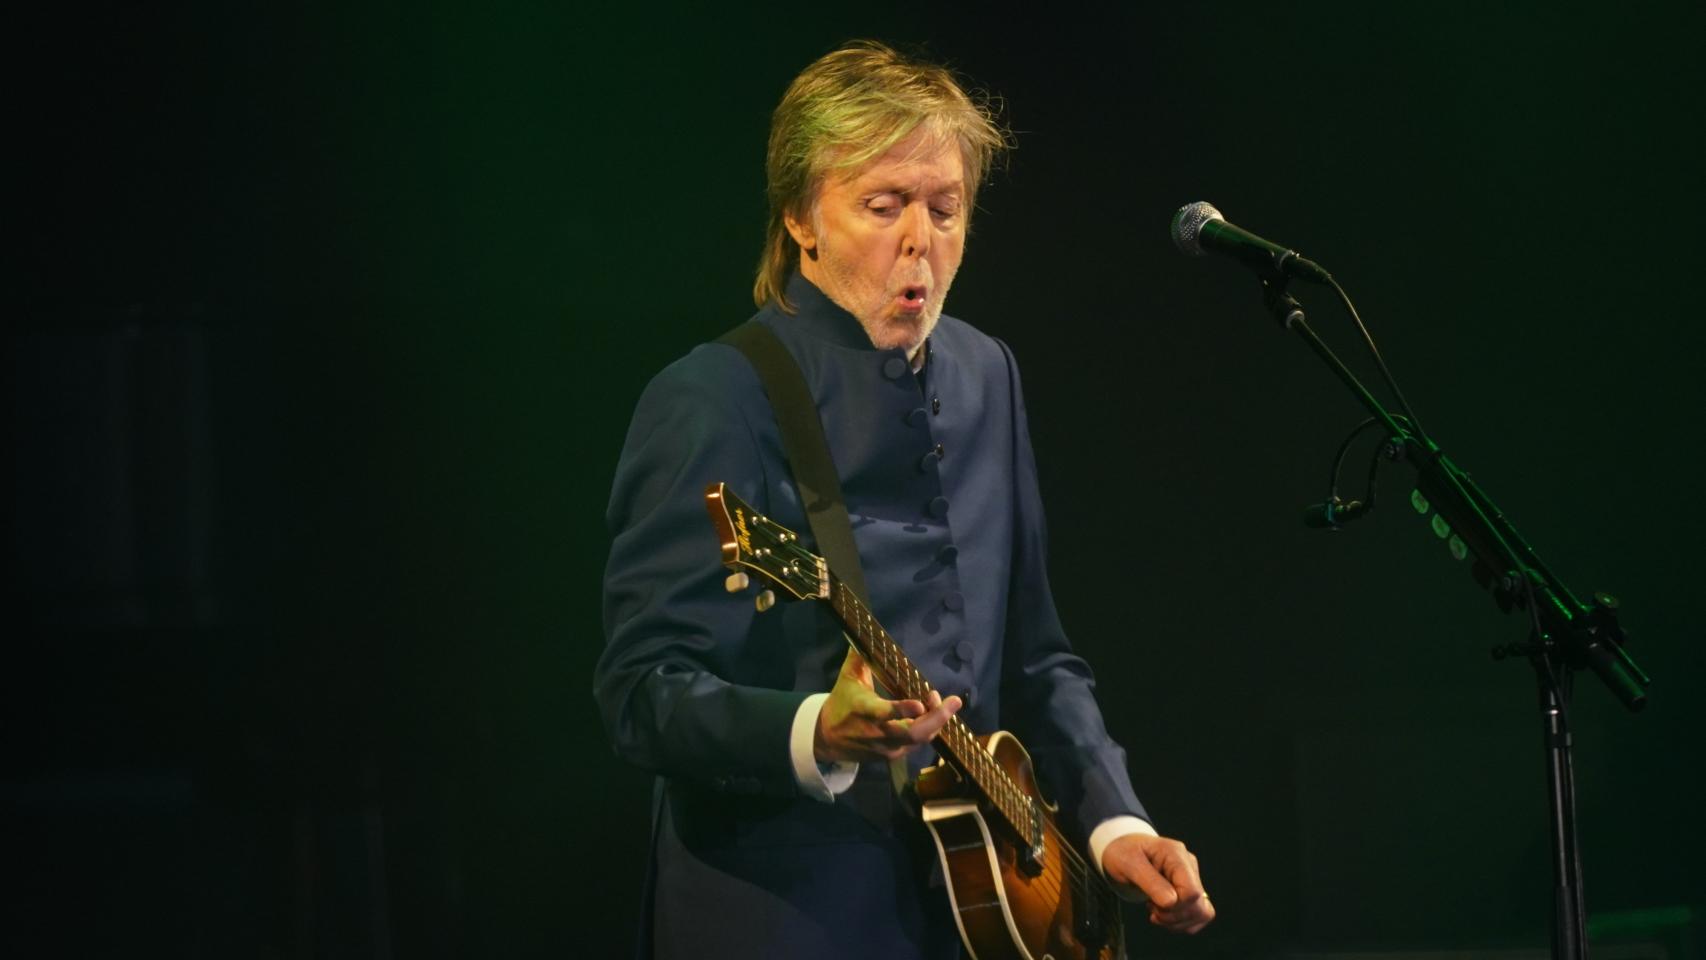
{"type": "Point", "coordinates": [1054, 871]}
{"type": "Point", "coordinates": [1007, 792]}
{"type": "Point", "coordinates": [890, 659]}
{"type": "Point", "coordinates": [1070, 859]}
{"type": "Point", "coordinates": [913, 683]}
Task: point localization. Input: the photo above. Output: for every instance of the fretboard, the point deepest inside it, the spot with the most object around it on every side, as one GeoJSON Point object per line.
{"type": "Point", "coordinates": [957, 744]}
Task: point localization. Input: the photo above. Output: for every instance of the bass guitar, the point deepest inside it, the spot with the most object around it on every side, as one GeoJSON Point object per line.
{"type": "Point", "coordinates": [1018, 888]}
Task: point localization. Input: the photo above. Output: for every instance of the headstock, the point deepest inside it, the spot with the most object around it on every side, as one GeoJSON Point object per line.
{"type": "Point", "coordinates": [754, 542]}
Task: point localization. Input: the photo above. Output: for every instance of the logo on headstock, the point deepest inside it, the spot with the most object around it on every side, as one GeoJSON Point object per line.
{"type": "Point", "coordinates": [743, 536]}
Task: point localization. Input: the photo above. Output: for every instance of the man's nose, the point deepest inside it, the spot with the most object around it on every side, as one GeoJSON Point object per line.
{"type": "Point", "coordinates": [915, 230]}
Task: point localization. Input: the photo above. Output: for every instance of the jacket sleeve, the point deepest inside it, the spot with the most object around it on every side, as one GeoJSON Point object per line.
{"type": "Point", "coordinates": [1047, 690]}
{"type": "Point", "coordinates": [675, 642]}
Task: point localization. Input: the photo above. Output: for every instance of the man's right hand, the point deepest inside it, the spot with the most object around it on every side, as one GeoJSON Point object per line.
{"type": "Point", "coordinates": [856, 724]}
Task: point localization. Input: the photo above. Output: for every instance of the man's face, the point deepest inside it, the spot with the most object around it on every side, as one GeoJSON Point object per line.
{"type": "Point", "coordinates": [885, 241]}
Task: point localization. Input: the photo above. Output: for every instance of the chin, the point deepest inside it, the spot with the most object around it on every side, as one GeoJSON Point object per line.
{"type": "Point", "coordinates": [902, 332]}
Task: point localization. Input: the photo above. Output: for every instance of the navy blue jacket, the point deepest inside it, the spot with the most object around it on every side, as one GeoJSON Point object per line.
{"type": "Point", "coordinates": [941, 485]}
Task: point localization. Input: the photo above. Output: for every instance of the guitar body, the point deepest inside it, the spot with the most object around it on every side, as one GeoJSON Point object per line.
{"type": "Point", "coordinates": [1005, 910]}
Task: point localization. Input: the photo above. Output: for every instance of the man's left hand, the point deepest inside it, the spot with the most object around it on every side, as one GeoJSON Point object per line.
{"type": "Point", "coordinates": [1167, 874]}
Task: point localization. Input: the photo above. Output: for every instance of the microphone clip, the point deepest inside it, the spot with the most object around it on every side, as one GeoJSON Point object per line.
{"type": "Point", "coordinates": [1333, 513]}
{"type": "Point", "coordinates": [1284, 307]}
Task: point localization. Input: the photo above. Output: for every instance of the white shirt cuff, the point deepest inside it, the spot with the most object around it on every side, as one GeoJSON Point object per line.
{"type": "Point", "coordinates": [820, 781]}
{"type": "Point", "coordinates": [1112, 829]}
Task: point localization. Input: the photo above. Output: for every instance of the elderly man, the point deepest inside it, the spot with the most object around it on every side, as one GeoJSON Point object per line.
{"type": "Point", "coordinates": [778, 832]}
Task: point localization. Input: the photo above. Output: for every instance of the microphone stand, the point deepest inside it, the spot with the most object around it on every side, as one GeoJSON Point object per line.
{"type": "Point", "coordinates": [1566, 634]}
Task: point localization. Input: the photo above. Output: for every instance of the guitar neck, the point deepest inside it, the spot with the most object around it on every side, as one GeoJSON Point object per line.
{"type": "Point", "coordinates": [957, 744]}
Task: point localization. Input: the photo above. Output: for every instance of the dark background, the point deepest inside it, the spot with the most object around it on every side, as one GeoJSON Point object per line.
{"type": "Point", "coordinates": [327, 325]}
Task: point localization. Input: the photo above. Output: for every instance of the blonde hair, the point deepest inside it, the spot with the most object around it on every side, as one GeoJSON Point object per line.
{"type": "Point", "coordinates": [848, 108]}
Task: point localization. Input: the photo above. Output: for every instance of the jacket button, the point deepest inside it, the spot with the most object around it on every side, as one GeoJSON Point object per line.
{"type": "Point", "coordinates": [947, 554]}
{"type": "Point", "coordinates": [936, 404]}
{"type": "Point", "coordinates": [916, 417]}
{"type": "Point", "coordinates": [954, 602]}
{"type": "Point", "coordinates": [894, 368]}
{"type": "Point", "coordinates": [963, 650]}
{"type": "Point", "coordinates": [927, 463]}
{"type": "Point", "coordinates": [939, 507]}
{"type": "Point", "coordinates": [940, 451]}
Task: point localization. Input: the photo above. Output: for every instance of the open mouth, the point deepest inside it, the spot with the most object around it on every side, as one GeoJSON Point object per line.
{"type": "Point", "coordinates": [913, 296]}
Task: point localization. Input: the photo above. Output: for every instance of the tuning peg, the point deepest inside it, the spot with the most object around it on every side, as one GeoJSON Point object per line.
{"type": "Point", "coordinates": [736, 582]}
{"type": "Point", "coordinates": [766, 600]}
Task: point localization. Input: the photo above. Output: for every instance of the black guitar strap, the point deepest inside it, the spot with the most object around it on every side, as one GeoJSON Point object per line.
{"type": "Point", "coordinates": [807, 449]}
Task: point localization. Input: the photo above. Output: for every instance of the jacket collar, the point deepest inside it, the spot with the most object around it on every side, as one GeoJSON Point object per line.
{"type": "Point", "coordinates": [820, 317]}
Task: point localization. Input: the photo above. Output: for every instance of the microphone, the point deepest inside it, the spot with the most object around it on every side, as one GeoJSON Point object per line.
{"type": "Point", "coordinates": [1331, 514]}
{"type": "Point", "coordinates": [1199, 227]}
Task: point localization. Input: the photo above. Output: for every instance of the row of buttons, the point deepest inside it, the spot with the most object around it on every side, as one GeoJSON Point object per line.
{"type": "Point", "coordinates": [916, 418]}
{"type": "Point", "coordinates": [894, 368]}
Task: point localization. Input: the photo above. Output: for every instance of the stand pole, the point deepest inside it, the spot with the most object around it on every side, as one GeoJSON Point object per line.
{"type": "Point", "coordinates": [1569, 930]}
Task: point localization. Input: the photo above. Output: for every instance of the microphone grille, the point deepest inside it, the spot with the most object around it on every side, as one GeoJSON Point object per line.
{"type": "Point", "coordinates": [1188, 224]}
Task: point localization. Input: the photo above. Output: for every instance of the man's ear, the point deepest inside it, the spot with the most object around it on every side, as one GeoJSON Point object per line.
{"type": "Point", "coordinates": [801, 231]}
